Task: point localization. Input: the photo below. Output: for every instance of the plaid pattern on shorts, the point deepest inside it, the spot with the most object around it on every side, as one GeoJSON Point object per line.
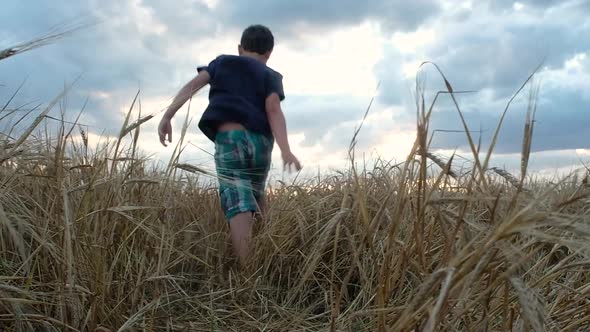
{"type": "Point", "coordinates": [242, 161]}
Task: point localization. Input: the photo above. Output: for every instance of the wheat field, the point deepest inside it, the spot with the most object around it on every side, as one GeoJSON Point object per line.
{"type": "Point", "coordinates": [97, 238]}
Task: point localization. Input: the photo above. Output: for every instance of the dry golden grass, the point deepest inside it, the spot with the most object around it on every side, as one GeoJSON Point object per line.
{"type": "Point", "coordinates": [95, 239]}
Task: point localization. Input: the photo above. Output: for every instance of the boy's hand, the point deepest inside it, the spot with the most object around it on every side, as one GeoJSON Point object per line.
{"type": "Point", "coordinates": [289, 160]}
{"type": "Point", "coordinates": [165, 128]}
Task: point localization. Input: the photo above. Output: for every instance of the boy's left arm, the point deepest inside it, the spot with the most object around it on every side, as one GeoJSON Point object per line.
{"type": "Point", "coordinates": [192, 87]}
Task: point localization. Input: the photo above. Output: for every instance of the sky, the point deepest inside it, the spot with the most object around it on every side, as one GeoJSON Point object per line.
{"type": "Point", "coordinates": [335, 57]}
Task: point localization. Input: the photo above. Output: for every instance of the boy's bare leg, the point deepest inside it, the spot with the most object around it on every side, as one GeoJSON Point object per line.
{"type": "Point", "coordinates": [240, 228]}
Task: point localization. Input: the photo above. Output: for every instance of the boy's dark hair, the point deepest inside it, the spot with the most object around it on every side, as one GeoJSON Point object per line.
{"type": "Point", "coordinates": [257, 38]}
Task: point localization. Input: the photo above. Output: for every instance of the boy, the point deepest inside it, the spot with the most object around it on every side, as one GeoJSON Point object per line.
{"type": "Point", "coordinates": [243, 119]}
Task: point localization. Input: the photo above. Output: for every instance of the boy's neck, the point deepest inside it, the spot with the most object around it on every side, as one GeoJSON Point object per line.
{"type": "Point", "coordinates": [260, 57]}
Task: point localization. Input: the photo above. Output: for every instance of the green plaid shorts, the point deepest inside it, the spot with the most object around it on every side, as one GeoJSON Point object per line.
{"type": "Point", "coordinates": [242, 162]}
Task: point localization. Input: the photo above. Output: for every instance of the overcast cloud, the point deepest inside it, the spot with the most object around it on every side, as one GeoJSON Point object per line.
{"type": "Point", "coordinates": [332, 54]}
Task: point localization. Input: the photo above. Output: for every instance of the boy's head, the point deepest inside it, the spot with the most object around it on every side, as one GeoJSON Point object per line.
{"type": "Point", "coordinates": [257, 39]}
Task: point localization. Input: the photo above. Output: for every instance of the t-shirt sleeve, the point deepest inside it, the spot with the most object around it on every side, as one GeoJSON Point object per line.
{"type": "Point", "coordinates": [274, 83]}
{"type": "Point", "coordinates": [210, 68]}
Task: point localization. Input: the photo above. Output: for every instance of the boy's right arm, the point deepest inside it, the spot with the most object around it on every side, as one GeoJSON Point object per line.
{"type": "Point", "coordinates": [277, 122]}
{"type": "Point", "coordinates": [192, 87]}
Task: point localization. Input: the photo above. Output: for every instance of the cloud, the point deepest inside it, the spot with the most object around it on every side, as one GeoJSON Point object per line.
{"type": "Point", "coordinates": [494, 53]}
{"type": "Point", "coordinates": [560, 124]}
{"type": "Point", "coordinates": [332, 55]}
{"type": "Point", "coordinates": [294, 17]}
{"type": "Point", "coordinates": [499, 51]}
{"type": "Point", "coordinates": [561, 119]}
{"type": "Point", "coordinates": [538, 5]}
{"type": "Point", "coordinates": [315, 116]}
{"type": "Point", "coordinates": [133, 46]}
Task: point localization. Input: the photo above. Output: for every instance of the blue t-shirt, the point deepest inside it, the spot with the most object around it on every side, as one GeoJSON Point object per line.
{"type": "Point", "coordinates": [239, 87]}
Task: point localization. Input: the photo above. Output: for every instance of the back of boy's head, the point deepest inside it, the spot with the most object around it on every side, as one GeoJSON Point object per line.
{"type": "Point", "coordinates": [258, 39]}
